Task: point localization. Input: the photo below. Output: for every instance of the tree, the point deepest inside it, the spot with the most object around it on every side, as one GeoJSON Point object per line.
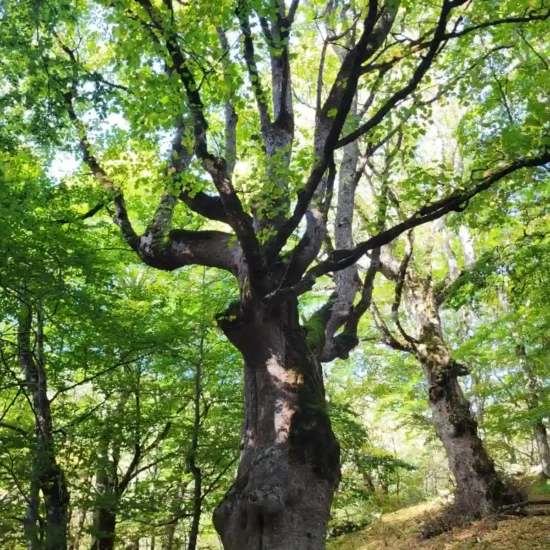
{"type": "Point", "coordinates": [99, 385]}
{"type": "Point", "coordinates": [173, 68]}
{"type": "Point", "coordinates": [29, 285]}
{"type": "Point", "coordinates": [479, 488]}
{"type": "Point", "coordinates": [510, 280]}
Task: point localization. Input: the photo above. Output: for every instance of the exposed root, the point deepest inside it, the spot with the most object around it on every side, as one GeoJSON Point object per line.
{"type": "Point", "coordinates": [527, 508]}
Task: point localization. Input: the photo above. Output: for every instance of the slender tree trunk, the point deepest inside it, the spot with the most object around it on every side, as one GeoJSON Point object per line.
{"type": "Point", "coordinates": [104, 521]}
{"type": "Point", "coordinates": [109, 487]}
{"type": "Point", "coordinates": [75, 543]}
{"type": "Point", "coordinates": [191, 459]}
{"type": "Point", "coordinates": [289, 466]}
{"type": "Point", "coordinates": [31, 515]}
{"type": "Point", "coordinates": [169, 535]}
{"type": "Point", "coordinates": [533, 402]}
{"type": "Point", "coordinates": [541, 437]}
{"type": "Point", "coordinates": [195, 520]}
{"type": "Point", "coordinates": [51, 478]}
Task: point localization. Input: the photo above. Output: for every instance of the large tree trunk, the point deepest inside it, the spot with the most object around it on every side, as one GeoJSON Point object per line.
{"type": "Point", "coordinates": [480, 491]}
{"type": "Point", "coordinates": [289, 466]}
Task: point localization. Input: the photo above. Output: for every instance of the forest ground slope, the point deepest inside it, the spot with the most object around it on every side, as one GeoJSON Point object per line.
{"type": "Point", "coordinates": [401, 531]}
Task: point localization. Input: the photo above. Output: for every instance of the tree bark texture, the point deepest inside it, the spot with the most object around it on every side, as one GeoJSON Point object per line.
{"type": "Point", "coordinates": [480, 490]}
{"type": "Point", "coordinates": [30, 525]}
{"type": "Point", "coordinates": [50, 476]}
{"type": "Point", "coordinates": [104, 527]}
{"type": "Point", "coordinates": [192, 456]}
{"type": "Point", "coordinates": [169, 535]}
{"type": "Point", "coordinates": [105, 510]}
{"type": "Point", "coordinates": [79, 527]}
{"type": "Point", "coordinates": [289, 466]}
{"type": "Point", "coordinates": [541, 437]}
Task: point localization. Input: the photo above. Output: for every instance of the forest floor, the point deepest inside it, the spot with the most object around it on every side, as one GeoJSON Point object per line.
{"type": "Point", "coordinates": [401, 531]}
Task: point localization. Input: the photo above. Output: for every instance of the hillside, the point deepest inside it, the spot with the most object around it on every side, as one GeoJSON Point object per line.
{"type": "Point", "coordinates": [401, 531]}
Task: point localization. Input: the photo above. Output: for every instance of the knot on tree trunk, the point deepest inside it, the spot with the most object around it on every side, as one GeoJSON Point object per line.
{"type": "Point", "coordinates": [436, 392]}
{"type": "Point", "coordinates": [267, 500]}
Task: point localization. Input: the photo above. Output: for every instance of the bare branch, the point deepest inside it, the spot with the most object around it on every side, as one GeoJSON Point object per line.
{"type": "Point", "coordinates": [400, 283]}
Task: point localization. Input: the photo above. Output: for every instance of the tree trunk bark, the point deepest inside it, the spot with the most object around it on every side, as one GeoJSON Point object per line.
{"type": "Point", "coordinates": [75, 543]}
{"type": "Point", "coordinates": [31, 528]}
{"type": "Point", "coordinates": [105, 511]}
{"type": "Point", "coordinates": [480, 491]}
{"type": "Point", "coordinates": [289, 466]}
{"type": "Point", "coordinates": [169, 535]}
{"type": "Point", "coordinates": [195, 524]}
{"type": "Point", "coordinates": [191, 459]}
{"type": "Point", "coordinates": [541, 437]}
{"type": "Point", "coordinates": [51, 478]}
{"type": "Point", "coordinates": [104, 527]}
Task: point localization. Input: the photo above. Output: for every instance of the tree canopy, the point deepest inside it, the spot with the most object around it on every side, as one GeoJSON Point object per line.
{"type": "Point", "coordinates": [238, 235]}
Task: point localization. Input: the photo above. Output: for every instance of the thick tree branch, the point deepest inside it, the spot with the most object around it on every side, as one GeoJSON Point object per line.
{"type": "Point", "coordinates": [415, 80]}
{"type": "Point", "coordinates": [243, 14]}
{"type": "Point", "coordinates": [231, 117]}
{"type": "Point", "coordinates": [217, 167]}
{"type": "Point", "coordinates": [422, 43]}
{"type": "Point", "coordinates": [341, 259]}
{"type": "Point", "coordinates": [333, 114]}
{"type": "Point", "coordinates": [343, 343]}
{"type": "Point", "coordinates": [208, 248]}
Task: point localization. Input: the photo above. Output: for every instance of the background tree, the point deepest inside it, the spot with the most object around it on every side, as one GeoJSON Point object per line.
{"type": "Point", "coordinates": [105, 401]}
